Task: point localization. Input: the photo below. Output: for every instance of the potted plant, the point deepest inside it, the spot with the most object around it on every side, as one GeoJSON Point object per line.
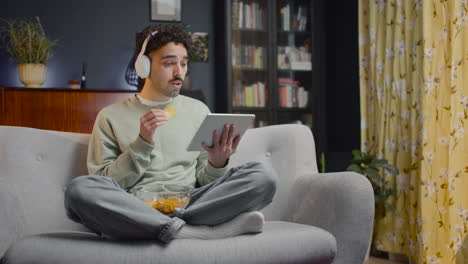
{"type": "Point", "coordinates": [25, 40]}
{"type": "Point", "coordinates": [373, 169]}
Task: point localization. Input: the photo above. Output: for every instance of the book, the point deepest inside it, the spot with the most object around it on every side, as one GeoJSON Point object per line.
{"type": "Point", "coordinates": [241, 15]}
{"type": "Point", "coordinates": [235, 15]}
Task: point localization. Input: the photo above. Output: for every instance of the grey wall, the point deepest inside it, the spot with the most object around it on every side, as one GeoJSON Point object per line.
{"type": "Point", "coordinates": [102, 33]}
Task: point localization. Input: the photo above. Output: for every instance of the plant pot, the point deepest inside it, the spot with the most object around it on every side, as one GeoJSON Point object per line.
{"type": "Point", "coordinates": [32, 75]}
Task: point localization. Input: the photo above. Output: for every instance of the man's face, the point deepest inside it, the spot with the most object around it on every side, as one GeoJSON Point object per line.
{"type": "Point", "coordinates": [168, 69]}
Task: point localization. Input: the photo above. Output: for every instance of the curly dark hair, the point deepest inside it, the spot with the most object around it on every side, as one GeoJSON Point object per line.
{"type": "Point", "coordinates": [166, 33]}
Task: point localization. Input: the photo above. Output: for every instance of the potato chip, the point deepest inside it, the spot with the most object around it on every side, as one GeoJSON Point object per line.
{"type": "Point", "coordinates": [170, 111]}
{"type": "Point", "coordinates": [168, 205]}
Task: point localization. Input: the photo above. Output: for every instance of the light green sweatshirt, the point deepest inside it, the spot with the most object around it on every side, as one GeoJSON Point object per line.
{"type": "Point", "coordinates": [116, 149]}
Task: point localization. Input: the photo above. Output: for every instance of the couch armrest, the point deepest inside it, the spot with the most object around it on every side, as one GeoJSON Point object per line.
{"type": "Point", "coordinates": [341, 203]}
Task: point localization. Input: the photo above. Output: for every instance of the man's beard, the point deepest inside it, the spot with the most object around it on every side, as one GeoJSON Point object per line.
{"type": "Point", "coordinates": [172, 92]}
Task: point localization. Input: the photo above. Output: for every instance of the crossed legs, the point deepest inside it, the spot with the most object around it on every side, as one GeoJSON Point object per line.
{"type": "Point", "coordinates": [223, 208]}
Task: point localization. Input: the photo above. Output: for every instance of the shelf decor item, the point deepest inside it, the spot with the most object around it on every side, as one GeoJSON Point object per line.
{"type": "Point", "coordinates": [165, 10]}
{"type": "Point", "coordinates": [24, 39]}
{"type": "Point", "coordinates": [199, 50]}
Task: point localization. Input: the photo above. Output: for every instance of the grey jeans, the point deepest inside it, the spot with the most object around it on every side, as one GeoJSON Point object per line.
{"type": "Point", "coordinates": [101, 205]}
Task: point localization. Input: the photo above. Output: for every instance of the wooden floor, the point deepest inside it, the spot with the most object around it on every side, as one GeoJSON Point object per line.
{"type": "Point", "coordinates": [373, 260]}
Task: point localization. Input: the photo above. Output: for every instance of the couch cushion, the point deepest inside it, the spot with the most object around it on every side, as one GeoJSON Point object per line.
{"type": "Point", "coordinates": [35, 166]}
{"type": "Point", "coordinates": [290, 149]}
{"type": "Point", "coordinates": [280, 242]}
{"type": "Point", "coordinates": [12, 218]}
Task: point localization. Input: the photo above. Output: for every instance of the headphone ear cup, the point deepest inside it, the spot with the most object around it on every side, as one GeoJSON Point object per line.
{"type": "Point", "coordinates": [143, 66]}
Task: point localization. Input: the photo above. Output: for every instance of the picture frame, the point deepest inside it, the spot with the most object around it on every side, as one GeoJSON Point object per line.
{"type": "Point", "coordinates": [165, 10]}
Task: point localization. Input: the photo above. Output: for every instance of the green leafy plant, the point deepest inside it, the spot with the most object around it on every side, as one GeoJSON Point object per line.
{"type": "Point", "coordinates": [322, 163]}
{"type": "Point", "coordinates": [373, 168]}
{"type": "Point", "coordinates": [25, 40]}
{"type": "Point", "coordinates": [199, 50]}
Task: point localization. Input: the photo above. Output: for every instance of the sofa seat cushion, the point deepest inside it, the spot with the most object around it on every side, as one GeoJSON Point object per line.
{"type": "Point", "coordinates": [280, 242]}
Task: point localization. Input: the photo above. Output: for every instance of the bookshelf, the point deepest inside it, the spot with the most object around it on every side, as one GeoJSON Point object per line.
{"type": "Point", "coordinates": [264, 60]}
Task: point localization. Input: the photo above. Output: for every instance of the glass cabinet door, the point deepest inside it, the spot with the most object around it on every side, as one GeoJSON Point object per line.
{"type": "Point", "coordinates": [250, 59]}
{"type": "Point", "coordinates": [294, 61]}
{"type": "Point", "coordinates": [270, 61]}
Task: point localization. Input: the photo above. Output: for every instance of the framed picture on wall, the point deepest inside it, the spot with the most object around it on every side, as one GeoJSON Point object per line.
{"type": "Point", "coordinates": [165, 10]}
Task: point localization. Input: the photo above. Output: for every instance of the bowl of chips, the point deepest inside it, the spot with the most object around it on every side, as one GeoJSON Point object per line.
{"type": "Point", "coordinates": [165, 201]}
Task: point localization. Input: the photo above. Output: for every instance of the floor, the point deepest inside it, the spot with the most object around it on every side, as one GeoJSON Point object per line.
{"type": "Point", "coordinates": [373, 260]}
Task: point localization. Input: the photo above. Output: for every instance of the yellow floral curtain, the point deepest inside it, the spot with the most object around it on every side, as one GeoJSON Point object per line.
{"type": "Point", "coordinates": [414, 113]}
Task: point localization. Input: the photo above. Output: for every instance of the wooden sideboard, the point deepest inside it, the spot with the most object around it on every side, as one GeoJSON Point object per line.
{"type": "Point", "coordinates": [69, 110]}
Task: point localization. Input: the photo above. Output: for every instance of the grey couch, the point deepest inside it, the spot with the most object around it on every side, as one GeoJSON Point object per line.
{"type": "Point", "coordinates": [314, 218]}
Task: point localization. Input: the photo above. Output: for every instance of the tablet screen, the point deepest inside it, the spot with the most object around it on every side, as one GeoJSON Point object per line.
{"type": "Point", "coordinates": [213, 122]}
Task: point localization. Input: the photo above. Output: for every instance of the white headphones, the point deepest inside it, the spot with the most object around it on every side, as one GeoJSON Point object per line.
{"type": "Point", "coordinates": [143, 62]}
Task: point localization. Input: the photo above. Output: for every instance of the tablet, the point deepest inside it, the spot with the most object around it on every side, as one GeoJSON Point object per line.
{"type": "Point", "coordinates": [214, 122]}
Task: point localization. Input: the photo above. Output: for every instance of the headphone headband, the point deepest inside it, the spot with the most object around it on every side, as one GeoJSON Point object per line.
{"type": "Point", "coordinates": [145, 43]}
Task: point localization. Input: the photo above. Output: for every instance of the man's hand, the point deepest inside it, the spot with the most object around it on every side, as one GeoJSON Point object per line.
{"type": "Point", "coordinates": [149, 122]}
{"type": "Point", "coordinates": [222, 147]}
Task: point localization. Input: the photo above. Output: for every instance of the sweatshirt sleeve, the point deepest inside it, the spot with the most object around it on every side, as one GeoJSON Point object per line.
{"type": "Point", "coordinates": [106, 158]}
{"type": "Point", "coordinates": [206, 173]}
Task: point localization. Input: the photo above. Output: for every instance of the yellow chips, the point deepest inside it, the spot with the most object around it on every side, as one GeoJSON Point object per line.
{"type": "Point", "coordinates": [168, 205]}
{"type": "Point", "coordinates": [170, 110]}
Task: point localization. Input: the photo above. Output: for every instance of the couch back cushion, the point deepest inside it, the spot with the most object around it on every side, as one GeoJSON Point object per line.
{"type": "Point", "coordinates": [289, 149]}
{"type": "Point", "coordinates": [35, 166]}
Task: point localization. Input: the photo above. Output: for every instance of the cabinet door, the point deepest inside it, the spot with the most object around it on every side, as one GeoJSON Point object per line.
{"type": "Point", "coordinates": [250, 59]}
{"type": "Point", "coordinates": [293, 83]}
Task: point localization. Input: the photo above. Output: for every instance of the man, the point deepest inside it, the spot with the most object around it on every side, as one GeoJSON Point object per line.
{"type": "Point", "coordinates": [136, 146]}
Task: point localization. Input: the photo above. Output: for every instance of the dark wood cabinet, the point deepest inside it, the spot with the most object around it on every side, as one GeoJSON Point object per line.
{"type": "Point", "coordinates": [69, 110]}
{"type": "Point", "coordinates": [66, 110]}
